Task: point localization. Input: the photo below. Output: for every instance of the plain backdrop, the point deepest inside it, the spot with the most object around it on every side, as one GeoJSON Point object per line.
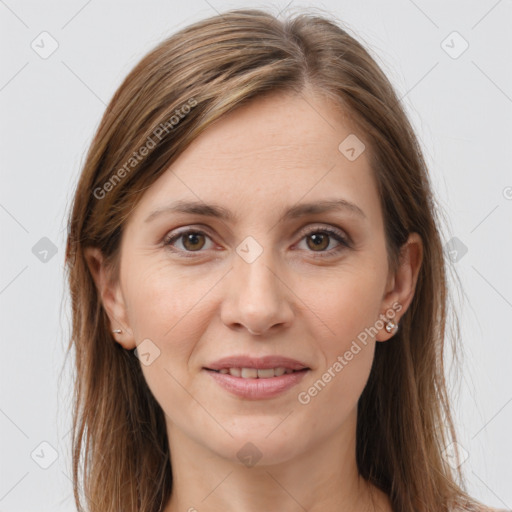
{"type": "Point", "coordinates": [62, 62]}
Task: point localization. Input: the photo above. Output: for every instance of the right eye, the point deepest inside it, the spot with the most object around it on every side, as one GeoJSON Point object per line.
{"type": "Point", "coordinates": [192, 240]}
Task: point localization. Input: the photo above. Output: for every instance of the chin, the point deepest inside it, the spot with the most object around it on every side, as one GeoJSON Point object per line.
{"type": "Point", "coordinates": [259, 446]}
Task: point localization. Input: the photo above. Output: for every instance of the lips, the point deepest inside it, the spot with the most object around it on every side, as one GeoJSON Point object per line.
{"type": "Point", "coordinates": [256, 367]}
{"type": "Point", "coordinates": [256, 373]}
{"type": "Point", "coordinates": [256, 378]}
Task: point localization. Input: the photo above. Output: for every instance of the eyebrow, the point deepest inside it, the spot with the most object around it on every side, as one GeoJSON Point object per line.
{"type": "Point", "coordinates": [217, 211]}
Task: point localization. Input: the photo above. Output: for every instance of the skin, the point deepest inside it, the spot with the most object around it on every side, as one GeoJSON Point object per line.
{"type": "Point", "coordinates": [258, 161]}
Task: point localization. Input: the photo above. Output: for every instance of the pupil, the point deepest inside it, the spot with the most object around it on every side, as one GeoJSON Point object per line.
{"type": "Point", "coordinates": [192, 239]}
{"type": "Point", "coordinates": [319, 240]}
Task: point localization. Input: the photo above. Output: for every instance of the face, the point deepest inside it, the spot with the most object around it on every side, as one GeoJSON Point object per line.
{"type": "Point", "coordinates": [260, 276]}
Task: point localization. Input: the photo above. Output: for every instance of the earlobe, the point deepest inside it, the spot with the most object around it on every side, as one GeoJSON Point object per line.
{"type": "Point", "coordinates": [111, 297]}
{"type": "Point", "coordinates": [402, 284]}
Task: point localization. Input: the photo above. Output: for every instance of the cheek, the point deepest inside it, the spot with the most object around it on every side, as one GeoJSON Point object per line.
{"type": "Point", "coordinates": [170, 309]}
{"type": "Point", "coordinates": [173, 309]}
{"type": "Point", "coordinates": [165, 304]}
{"type": "Point", "coordinates": [348, 304]}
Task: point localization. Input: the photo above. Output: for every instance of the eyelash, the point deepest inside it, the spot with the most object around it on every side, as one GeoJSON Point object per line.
{"type": "Point", "coordinates": [344, 242]}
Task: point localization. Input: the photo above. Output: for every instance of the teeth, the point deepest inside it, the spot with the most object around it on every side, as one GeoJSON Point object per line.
{"type": "Point", "coordinates": [265, 374]}
{"type": "Point", "coordinates": [249, 373]}
{"type": "Point", "coordinates": [253, 373]}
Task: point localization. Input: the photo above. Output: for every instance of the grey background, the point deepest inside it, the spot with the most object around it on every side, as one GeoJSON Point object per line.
{"type": "Point", "coordinates": [460, 105]}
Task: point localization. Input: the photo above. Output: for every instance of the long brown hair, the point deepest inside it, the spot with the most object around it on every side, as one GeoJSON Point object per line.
{"type": "Point", "coordinates": [214, 66]}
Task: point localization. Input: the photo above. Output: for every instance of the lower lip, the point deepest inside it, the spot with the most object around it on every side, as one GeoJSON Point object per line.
{"type": "Point", "coordinates": [257, 389]}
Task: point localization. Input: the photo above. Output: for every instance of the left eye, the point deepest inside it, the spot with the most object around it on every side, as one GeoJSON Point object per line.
{"type": "Point", "coordinates": [320, 239]}
{"type": "Point", "coordinates": [317, 240]}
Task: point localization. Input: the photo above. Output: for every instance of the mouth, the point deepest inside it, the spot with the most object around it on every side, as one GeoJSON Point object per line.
{"type": "Point", "coordinates": [253, 385]}
{"type": "Point", "coordinates": [257, 373]}
{"type": "Point", "coordinates": [257, 378]}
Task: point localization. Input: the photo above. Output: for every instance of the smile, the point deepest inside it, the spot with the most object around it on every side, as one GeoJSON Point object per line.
{"type": "Point", "coordinates": [256, 373]}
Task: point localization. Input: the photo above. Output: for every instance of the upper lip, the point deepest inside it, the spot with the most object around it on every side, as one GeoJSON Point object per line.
{"type": "Point", "coordinates": [256, 362]}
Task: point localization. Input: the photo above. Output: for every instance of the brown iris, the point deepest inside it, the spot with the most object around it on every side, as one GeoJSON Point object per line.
{"type": "Point", "coordinates": [320, 241]}
{"type": "Point", "coordinates": [190, 241]}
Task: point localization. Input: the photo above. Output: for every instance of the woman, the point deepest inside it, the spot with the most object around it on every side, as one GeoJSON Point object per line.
{"type": "Point", "coordinates": [258, 284]}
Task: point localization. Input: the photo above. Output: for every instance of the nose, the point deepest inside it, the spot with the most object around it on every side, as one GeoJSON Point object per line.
{"type": "Point", "coordinates": [257, 298]}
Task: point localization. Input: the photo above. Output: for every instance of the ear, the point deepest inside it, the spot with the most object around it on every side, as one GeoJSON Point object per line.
{"type": "Point", "coordinates": [402, 283]}
{"type": "Point", "coordinates": [111, 297]}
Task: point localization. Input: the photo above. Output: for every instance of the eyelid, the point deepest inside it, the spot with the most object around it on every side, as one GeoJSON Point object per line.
{"type": "Point", "coordinates": [330, 230]}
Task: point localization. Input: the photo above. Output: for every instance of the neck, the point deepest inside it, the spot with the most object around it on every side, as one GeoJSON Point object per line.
{"type": "Point", "coordinates": [324, 478]}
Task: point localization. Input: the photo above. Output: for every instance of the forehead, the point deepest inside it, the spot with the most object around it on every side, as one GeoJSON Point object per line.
{"type": "Point", "coordinates": [278, 149]}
